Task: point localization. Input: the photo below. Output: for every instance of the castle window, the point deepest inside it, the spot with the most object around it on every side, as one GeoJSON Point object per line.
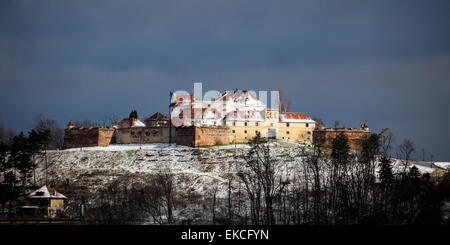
{"type": "Point", "coordinates": [307, 124]}
{"type": "Point", "coordinates": [245, 124]}
{"type": "Point", "coordinates": [245, 131]}
{"type": "Point", "coordinates": [287, 132]}
{"type": "Point", "coordinates": [256, 124]}
{"type": "Point", "coordinates": [147, 133]}
{"type": "Point", "coordinates": [287, 124]}
{"type": "Point", "coordinates": [132, 132]}
{"type": "Point", "coordinates": [256, 131]}
{"type": "Point", "coordinates": [271, 124]}
{"type": "Point", "coordinates": [233, 131]}
{"type": "Point", "coordinates": [234, 123]}
{"type": "Point", "coordinates": [309, 132]}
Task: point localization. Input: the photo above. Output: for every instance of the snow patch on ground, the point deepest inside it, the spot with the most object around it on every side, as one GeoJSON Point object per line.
{"type": "Point", "coordinates": [398, 166]}
{"type": "Point", "coordinates": [128, 147]}
{"type": "Point", "coordinates": [445, 165]}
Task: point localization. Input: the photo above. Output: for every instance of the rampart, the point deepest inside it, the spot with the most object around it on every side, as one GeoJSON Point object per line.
{"type": "Point", "coordinates": [324, 137]}
{"type": "Point", "coordinates": [143, 135]}
{"type": "Point", "coordinates": [87, 136]}
{"type": "Point", "coordinates": [203, 136]}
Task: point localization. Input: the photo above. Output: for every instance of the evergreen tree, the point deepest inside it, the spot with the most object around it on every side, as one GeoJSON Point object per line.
{"type": "Point", "coordinates": [340, 150]}
{"type": "Point", "coordinates": [21, 154]}
{"type": "Point", "coordinates": [5, 168]}
{"type": "Point", "coordinates": [415, 179]}
{"type": "Point", "coordinates": [370, 148]}
{"type": "Point", "coordinates": [133, 114]}
{"type": "Point", "coordinates": [38, 141]}
{"type": "Point", "coordinates": [385, 172]}
{"type": "Point", "coordinates": [257, 139]}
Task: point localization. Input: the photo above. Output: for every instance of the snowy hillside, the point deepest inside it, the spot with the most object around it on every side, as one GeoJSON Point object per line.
{"type": "Point", "coordinates": [201, 166]}
{"type": "Point", "coordinates": [197, 171]}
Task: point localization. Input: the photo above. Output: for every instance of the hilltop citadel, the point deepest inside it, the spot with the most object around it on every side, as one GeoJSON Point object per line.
{"type": "Point", "coordinates": [233, 117]}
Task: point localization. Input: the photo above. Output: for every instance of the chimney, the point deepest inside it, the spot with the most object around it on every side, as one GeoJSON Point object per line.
{"type": "Point", "coordinates": [70, 125]}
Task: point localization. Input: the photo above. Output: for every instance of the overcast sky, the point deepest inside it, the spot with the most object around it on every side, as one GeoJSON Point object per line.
{"type": "Point", "coordinates": [387, 62]}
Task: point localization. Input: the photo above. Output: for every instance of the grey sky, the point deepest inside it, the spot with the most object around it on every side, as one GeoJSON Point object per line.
{"type": "Point", "coordinates": [387, 62]}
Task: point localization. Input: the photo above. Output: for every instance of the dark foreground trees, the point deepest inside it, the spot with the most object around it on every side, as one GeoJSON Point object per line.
{"type": "Point", "coordinates": [342, 187]}
{"type": "Point", "coordinates": [266, 185]}
{"type": "Point", "coordinates": [17, 165]}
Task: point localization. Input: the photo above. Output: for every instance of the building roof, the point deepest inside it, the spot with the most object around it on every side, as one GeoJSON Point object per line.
{"type": "Point", "coordinates": [184, 97]}
{"type": "Point", "coordinates": [241, 97]}
{"type": "Point", "coordinates": [201, 113]}
{"type": "Point", "coordinates": [295, 117]}
{"type": "Point", "coordinates": [46, 192]}
{"type": "Point", "coordinates": [158, 116]}
{"type": "Point", "coordinates": [245, 116]}
{"type": "Point", "coordinates": [130, 123]}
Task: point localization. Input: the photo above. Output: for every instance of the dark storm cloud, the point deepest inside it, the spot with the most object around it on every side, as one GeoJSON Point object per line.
{"type": "Point", "coordinates": [386, 62]}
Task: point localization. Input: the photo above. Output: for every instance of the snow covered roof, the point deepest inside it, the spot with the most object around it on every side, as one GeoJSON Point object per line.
{"type": "Point", "coordinates": [201, 113]}
{"type": "Point", "coordinates": [444, 165]}
{"type": "Point", "coordinates": [294, 117]}
{"type": "Point", "coordinates": [130, 123]}
{"type": "Point", "coordinates": [46, 192]}
{"type": "Point", "coordinates": [241, 97]}
{"type": "Point", "coordinates": [245, 116]}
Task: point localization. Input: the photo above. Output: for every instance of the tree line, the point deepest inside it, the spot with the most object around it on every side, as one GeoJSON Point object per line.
{"type": "Point", "coordinates": [342, 186]}
{"type": "Point", "coordinates": [18, 165]}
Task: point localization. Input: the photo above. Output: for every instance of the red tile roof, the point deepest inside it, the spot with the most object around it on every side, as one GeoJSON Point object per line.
{"type": "Point", "coordinates": [158, 116]}
{"type": "Point", "coordinates": [184, 97]}
{"type": "Point", "coordinates": [293, 116]}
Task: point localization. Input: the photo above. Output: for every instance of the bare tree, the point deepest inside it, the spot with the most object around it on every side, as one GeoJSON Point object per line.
{"type": "Point", "coordinates": [336, 124]}
{"type": "Point", "coordinates": [261, 168]}
{"type": "Point", "coordinates": [215, 188]}
{"type": "Point", "coordinates": [405, 150]}
{"type": "Point", "coordinates": [43, 123]}
{"type": "Point", "coordinates": [386, 144]}
{"type": "Point", "coordinates": [6, 134]}
{"type": "Point", "coordinates": [423, 154]}
{"type": "Point", "coordinates": [285, 105]}
{"type": "Point", "coordinates": [86, 123]}
{"type": "Point", "coordinates": [165, 180]}
{"type": "Point", "coordinates": [109, 120]}
{"type": "Point", "coordinates": [319, 122]}
{"type": "Point", "coordinates": [2, 132]}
